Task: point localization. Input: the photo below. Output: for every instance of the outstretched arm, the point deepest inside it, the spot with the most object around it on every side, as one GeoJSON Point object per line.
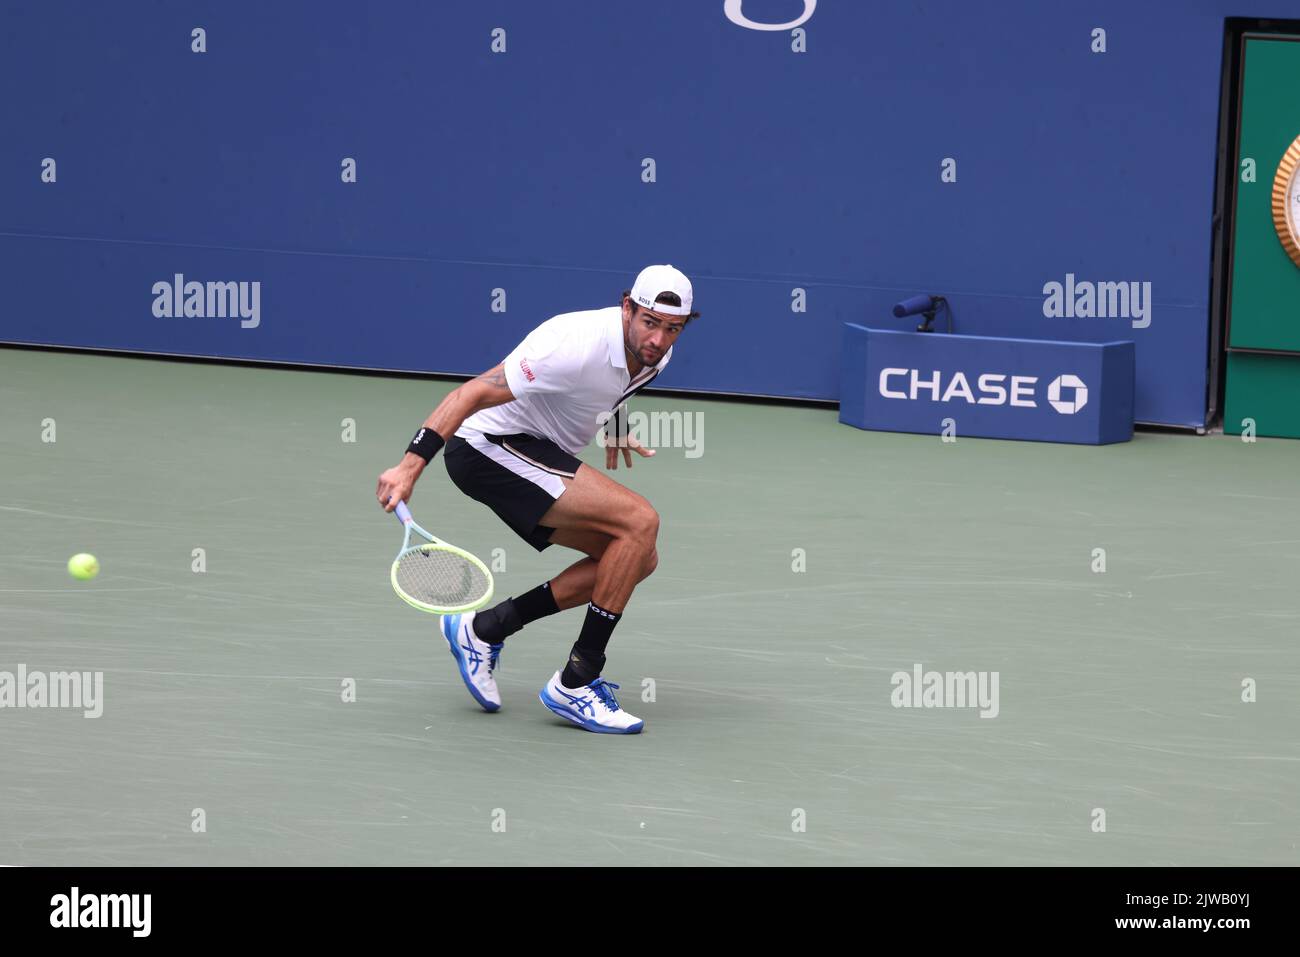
{"type": "Point", "coordinates": [483, 392]}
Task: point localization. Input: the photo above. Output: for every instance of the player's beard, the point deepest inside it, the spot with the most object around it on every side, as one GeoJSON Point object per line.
{"type": "Point", "coordinates": [641, 352]}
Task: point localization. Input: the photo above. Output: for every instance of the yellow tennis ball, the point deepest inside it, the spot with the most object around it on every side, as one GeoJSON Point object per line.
{"type": "Point", "coordinates": [83, 566]}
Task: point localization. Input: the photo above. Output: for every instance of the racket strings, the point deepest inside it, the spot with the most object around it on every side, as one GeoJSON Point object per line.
{"type": "Point", "coordinates": [439, 577]}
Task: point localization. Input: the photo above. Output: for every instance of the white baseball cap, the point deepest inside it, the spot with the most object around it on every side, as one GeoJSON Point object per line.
{"type": "Point", "coordinates": [656, 280]}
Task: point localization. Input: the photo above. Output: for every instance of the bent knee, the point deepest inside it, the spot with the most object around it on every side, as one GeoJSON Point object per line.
{"type": "Point", "coordinates": [651, 563]}
{"type": "Point", "coordinates": [643, 522]}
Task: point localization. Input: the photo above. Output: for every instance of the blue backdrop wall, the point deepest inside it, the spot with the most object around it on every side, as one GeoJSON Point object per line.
{"type": "Point", "coordinates": [524, 171]}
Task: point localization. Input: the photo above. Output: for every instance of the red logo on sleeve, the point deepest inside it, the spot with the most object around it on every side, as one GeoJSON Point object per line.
{"type": "Point", "coordinates": [523, 364]}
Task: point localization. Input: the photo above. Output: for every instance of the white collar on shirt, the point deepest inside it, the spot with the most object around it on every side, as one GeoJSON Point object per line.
{"type": "Point", "coordinates": [617, 351]}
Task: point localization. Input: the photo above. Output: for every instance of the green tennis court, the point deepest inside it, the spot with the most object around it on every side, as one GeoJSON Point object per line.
{"type": "Point", "coordinates": [803, 564]}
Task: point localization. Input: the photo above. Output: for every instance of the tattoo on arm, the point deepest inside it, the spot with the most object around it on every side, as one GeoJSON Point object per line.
{"type": "Point", "coordinates": [494, 377]}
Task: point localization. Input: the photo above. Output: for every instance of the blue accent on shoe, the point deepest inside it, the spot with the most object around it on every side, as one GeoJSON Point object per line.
{"type": "Point", "coordinates": [587, 725]}
{"type": "Point", "coordinates": [581, 702]}
{"type": "Point", "coordinates": [450, 627]}
{"type": "Point", "coordinates": [472, 658]}
{"type": "Point", "coordinates": [604, 691]}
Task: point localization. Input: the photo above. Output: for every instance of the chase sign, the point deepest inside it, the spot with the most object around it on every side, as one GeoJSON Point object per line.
{"type": "Point", "coordinates": [984, 386]}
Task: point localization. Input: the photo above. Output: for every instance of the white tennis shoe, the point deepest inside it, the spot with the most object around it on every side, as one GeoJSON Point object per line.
{"type": "Point", "coordinates": [476, 659]}
{"type": "Point", "coordinates": [592, 707]}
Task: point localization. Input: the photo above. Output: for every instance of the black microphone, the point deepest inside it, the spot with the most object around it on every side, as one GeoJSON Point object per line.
{"type": "Point", "coordinates": [916, 305]}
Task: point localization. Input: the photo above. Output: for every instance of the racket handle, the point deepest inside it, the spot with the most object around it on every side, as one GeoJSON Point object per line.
{"type": "Point", "coordinates": [403, 513]}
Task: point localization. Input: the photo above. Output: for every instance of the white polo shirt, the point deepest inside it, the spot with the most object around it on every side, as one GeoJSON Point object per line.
{"type": "Point", "coordinates": [566, 376]}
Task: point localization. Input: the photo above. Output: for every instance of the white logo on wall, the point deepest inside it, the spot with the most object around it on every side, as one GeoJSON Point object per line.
{"type": "Point", "coordinates": [1066, 406]}
{"type": "Point", "coordinates": [991, 388]}
{"type": "Point", "coordinates": [732, 8]}
{"type": "Point", "coordinates": [208, 300]}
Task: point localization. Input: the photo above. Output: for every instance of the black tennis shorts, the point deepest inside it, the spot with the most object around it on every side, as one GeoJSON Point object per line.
{"type": "Point", "coordinates": [517, 476]}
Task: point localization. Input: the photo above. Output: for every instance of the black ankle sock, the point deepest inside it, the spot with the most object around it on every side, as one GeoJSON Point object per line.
{"type": "Point", "coordinates": [501, 621]}
{"type": "Point", "coordinates": [497, 623]}
{"type": "Point", "coordinates": [583, 668]}
{"type": "Point", "coordinates": [587, 658]}
{"type": "Point", "coordinates": [535, 604]}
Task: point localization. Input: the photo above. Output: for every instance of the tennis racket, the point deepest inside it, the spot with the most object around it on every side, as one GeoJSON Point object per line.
{"type": "Point", "coordinates": [435, 576]}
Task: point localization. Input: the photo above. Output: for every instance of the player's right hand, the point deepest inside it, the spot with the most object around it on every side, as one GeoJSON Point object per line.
{"type": "Point", "coordinates": [395, 485]}
{"type": "Point", "coordinates": [627, 446]}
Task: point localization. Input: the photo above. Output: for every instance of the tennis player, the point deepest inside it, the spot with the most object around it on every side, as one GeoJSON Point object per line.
{"type": "Point", "coordinates": [512, 438]}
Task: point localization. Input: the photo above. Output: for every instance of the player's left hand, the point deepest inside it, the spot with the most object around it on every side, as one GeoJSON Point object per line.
{"type": "Point", "coordinates": [629, 445]}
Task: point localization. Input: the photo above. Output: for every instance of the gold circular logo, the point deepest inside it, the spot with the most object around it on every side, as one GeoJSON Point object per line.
{"type": "Point", "coordinates": [1286, 201]}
